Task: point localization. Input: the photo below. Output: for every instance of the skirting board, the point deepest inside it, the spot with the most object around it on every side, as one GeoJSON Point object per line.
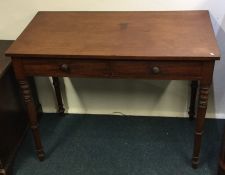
{"type": "Point", "coordinates": [161, 114]}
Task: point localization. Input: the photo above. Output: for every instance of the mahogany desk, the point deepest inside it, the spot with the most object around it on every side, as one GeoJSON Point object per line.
{"type": "Point", "coordinates": [146, 45]}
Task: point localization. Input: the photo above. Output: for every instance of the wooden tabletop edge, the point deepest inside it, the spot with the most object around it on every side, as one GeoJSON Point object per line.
{"type": "Point", "coordinates": [113, 57]}
{"type": "Point", "coordinates": [120, 11]}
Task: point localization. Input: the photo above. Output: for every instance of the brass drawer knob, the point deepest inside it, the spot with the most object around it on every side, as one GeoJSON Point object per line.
{"type": "Point", "coordinates": [155, 70]}
{"type": "Point", "coordinates": [65, 68]}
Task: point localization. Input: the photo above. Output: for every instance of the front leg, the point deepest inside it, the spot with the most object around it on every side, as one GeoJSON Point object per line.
{"type": "Point", "coordinates": [200, 119]}
{"type": "Point", "coordinates": [32, 116]}
{"type": "Point", "coordinates": [204, 85]}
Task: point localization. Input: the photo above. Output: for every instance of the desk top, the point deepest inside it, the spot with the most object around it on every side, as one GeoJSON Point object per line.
{"type": "Point", "coordinates": [174, 35]}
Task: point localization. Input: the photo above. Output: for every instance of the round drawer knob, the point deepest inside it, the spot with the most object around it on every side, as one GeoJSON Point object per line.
{"type": "Point", "coordinates": [65, 68]}
{"type": "Point", "coordinates": [155, 70]}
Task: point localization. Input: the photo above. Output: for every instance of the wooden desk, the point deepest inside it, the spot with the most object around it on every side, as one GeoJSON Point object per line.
{"type": "Point", "coordinates": [146, 45]}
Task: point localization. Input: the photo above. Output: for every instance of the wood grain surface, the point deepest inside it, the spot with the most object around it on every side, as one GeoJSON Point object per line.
{"type": "Point", "coordinates": [126, 35]}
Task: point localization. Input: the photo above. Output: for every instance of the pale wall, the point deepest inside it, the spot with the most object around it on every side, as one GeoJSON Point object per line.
{"type": "Point", "coordinates": [130, 97]}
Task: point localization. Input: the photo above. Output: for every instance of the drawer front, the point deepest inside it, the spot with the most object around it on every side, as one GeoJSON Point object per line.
{"type": "Point", "coordinates": [157, 69]}
{"type": "Point", "coordinates": [173, 70]}
{"type": "Point", "coordinates": [67, 68]}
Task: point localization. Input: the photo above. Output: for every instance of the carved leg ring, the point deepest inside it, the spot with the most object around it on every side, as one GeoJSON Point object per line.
{"type": "Point", "coordinates": [32, 116]}
{"type": "Point", "coordinates": [58, 94]}
{"type": "Point", "coordinates": [202, 106]}
{"type": "Point", "coordinates": [194, 87]}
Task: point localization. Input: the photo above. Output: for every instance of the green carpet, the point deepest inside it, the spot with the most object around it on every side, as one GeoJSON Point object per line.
{"type": "Point", "coordinates": [115, 145]}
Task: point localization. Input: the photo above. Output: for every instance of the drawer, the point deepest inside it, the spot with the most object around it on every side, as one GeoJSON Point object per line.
{"type": "Point", "coordinates": [157, 69]}
{"type": "Point", "coordinates": [114, 69]}
{"type": "Point", "coordinates": [75, 68]}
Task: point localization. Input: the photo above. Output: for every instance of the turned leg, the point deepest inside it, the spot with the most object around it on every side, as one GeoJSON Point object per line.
{"type": "Point", "coordinates": [58, 94]}
{"type": "Point", "coordinates": [194, 87]}
{"type": "Point", "coordinates": [35, 94]}
{"type": "Point", "coordinates": [200, 118]}
{"type": "Point", "coordinates": [32, 116]}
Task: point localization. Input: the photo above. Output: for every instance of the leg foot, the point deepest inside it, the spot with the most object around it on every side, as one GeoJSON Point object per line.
{"type": "Point", "coordinates": [2, 170]}
{"type": "Point", "coordinates": [40, 154]}
{"type": "Point", "coordinates": [61, 110]}
{"type": "Point", "coordinates": [195, 162]}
